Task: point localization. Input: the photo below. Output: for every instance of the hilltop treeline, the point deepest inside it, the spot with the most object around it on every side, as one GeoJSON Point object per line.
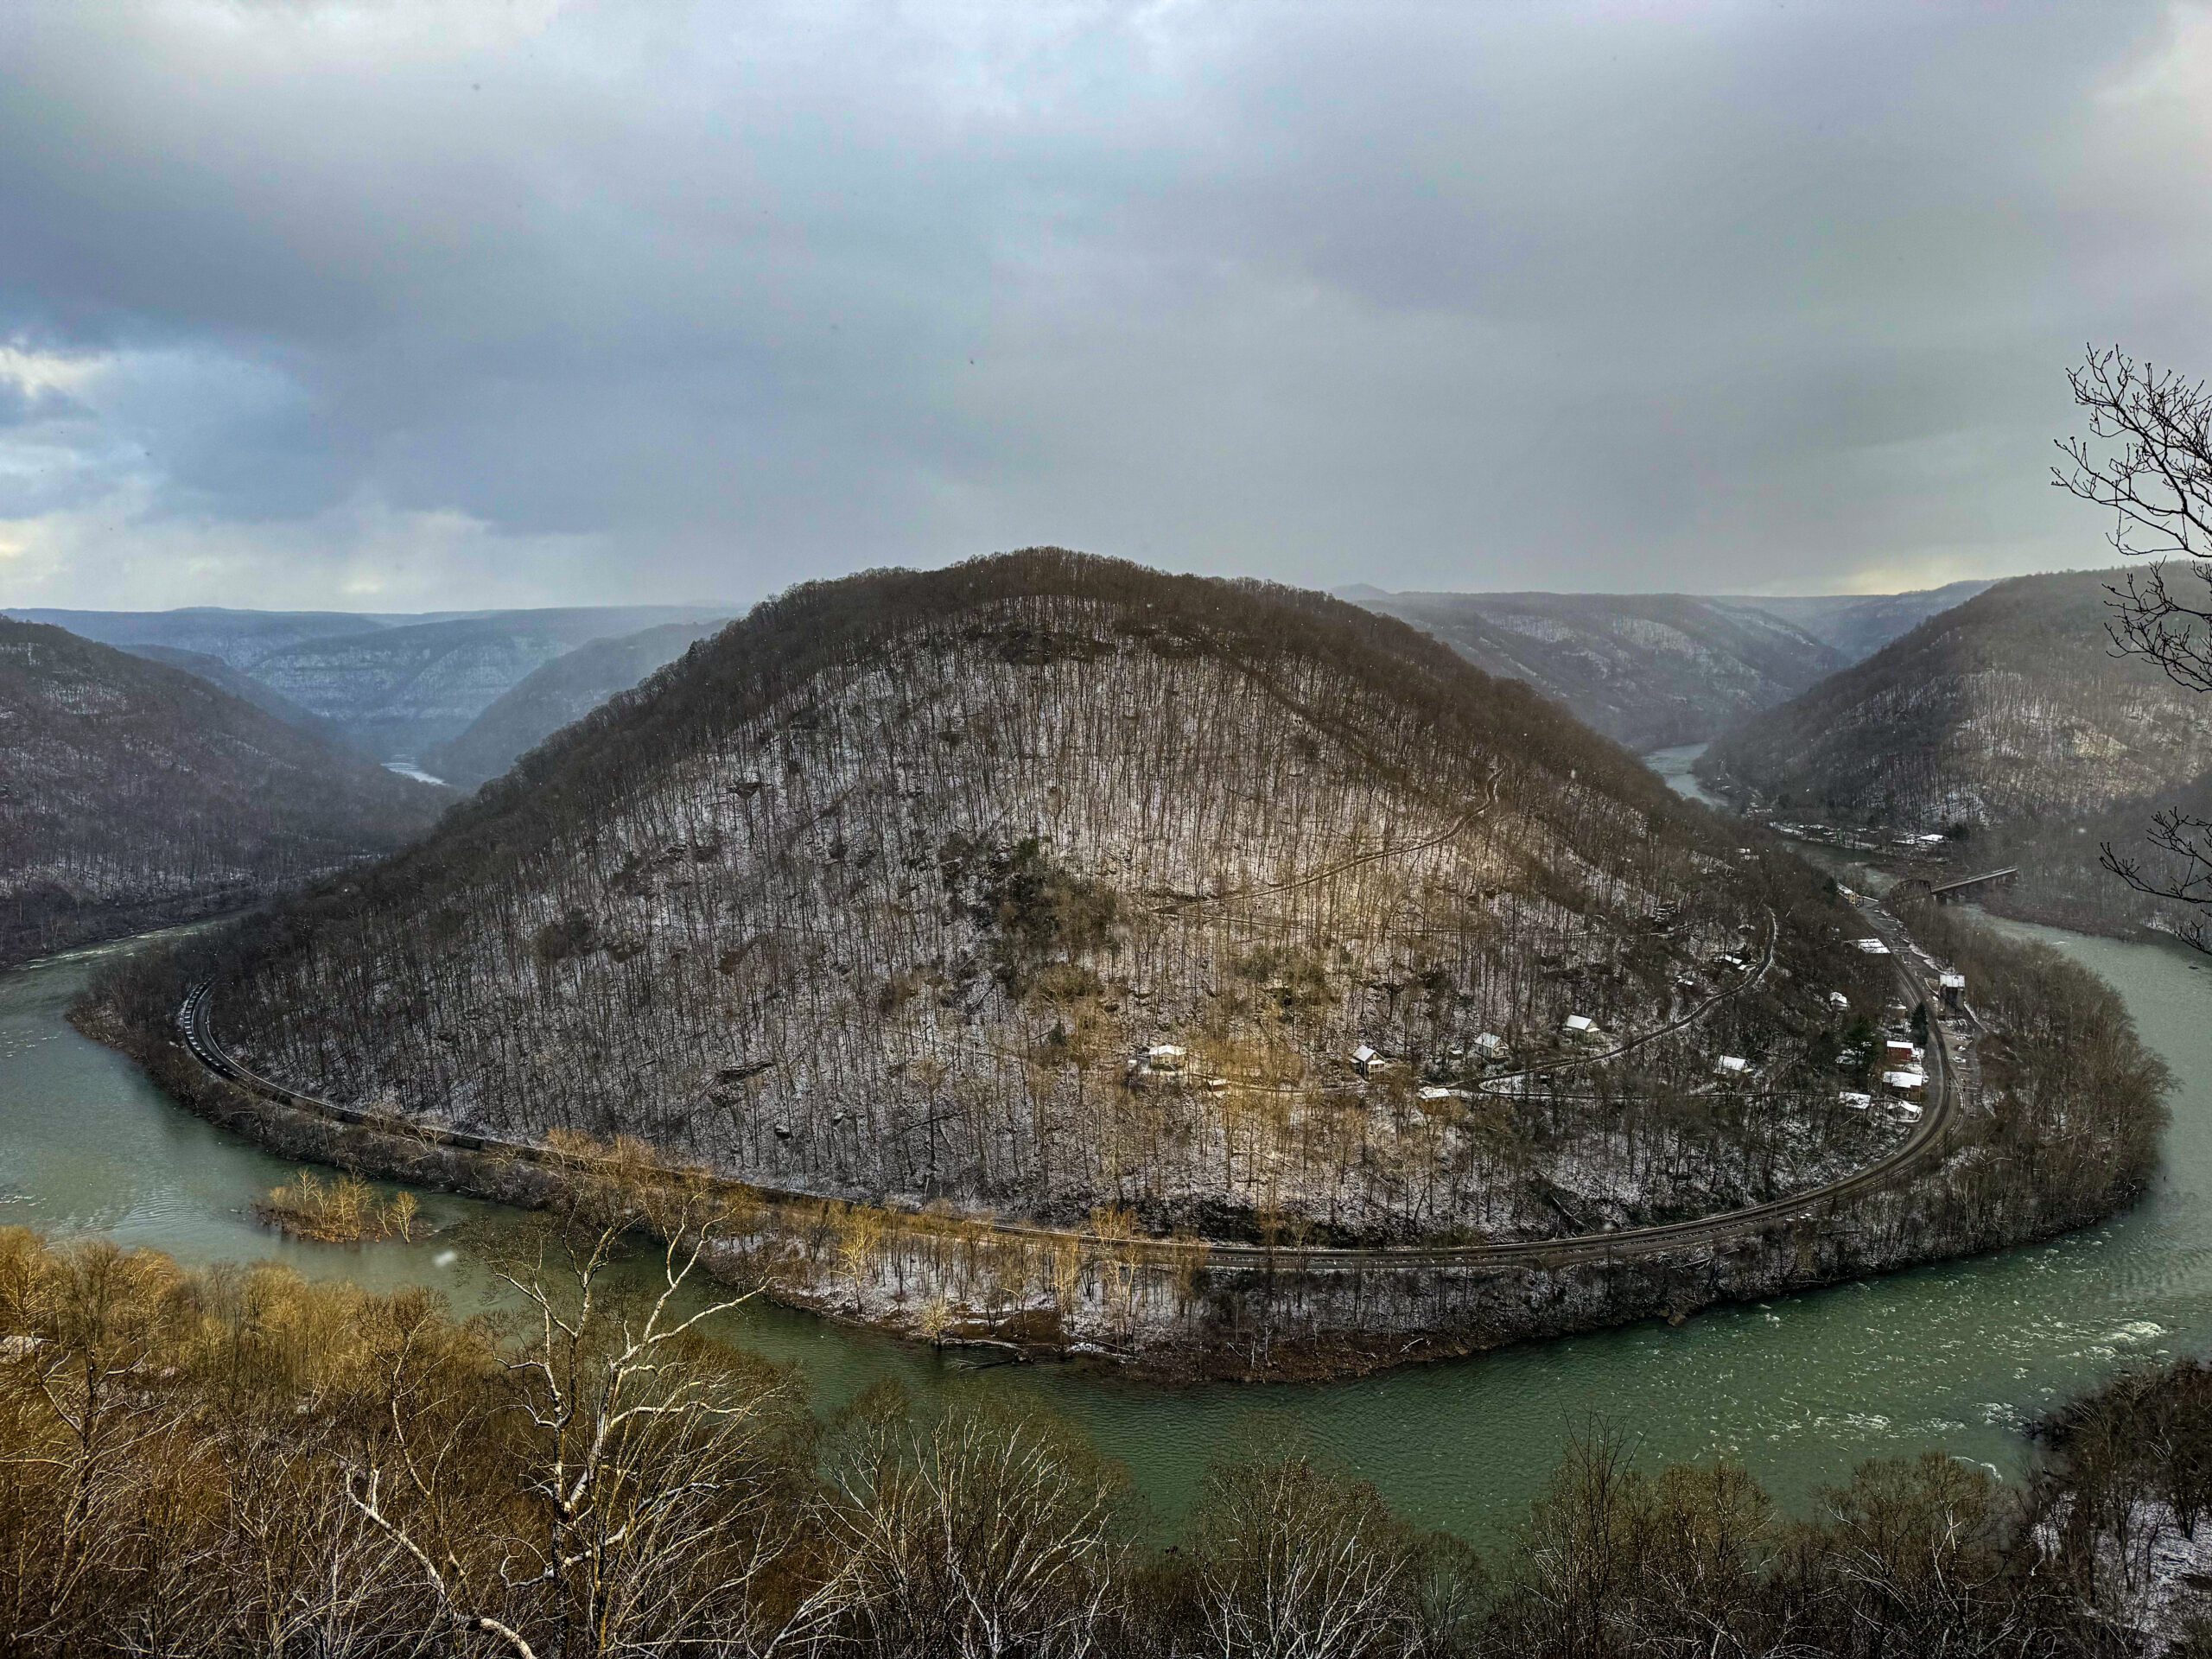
{"type": "Point", "coordinates": [235, 1462]}
{"type": "Point", "coordinates": [133, 794]}
{"type": "Point", "coordinates": [888, 890]}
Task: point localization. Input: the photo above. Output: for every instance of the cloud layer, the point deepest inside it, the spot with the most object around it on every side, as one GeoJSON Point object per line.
{"type": "Point", "coordinates": [408, 305]}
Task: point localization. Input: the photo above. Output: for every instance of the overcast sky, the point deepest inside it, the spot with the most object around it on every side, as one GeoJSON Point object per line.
{"type": "Point", "coordinates": [399, 306]}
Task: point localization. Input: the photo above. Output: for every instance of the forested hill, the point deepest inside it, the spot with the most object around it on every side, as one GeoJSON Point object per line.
{"type": "Point", "coordinates": [222, 676]}
{"type": "Point", "coordinates": [2012, 704]}
{"type": "Point", "coordinates": [1047, 883]}
{"type": "Point", "coordinates": [562, 692]}
{"type": "Point", "coordinates": [132, 793]}
{"type": "Point", "coordinates": [2008, 720]}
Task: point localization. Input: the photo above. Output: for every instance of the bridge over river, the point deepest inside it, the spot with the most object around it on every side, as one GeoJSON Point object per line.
{"type": "Point", "coordinates": [1965, 887]}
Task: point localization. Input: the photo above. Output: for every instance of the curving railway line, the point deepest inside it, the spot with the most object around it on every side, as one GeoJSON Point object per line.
{"type": "Point", "coordinates": [1926, 1137]}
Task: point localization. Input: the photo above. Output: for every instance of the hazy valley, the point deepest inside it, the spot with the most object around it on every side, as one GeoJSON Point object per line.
{"type": "Point", "coordinates": [556, 695]}
{"type": "Point", "coordinates": [393, 686]}
{"type": "Point", "coordinates": [1658, 671]}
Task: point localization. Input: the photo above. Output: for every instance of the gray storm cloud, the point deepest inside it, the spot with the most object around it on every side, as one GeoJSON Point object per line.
{"type": "Point", "coordinates": [414, 305]}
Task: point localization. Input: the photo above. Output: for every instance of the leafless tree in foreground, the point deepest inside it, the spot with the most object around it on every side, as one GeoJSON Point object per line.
{"type": "Point", "coordinates": [2148, 461]}
{"type": "Point", "coordinates": [643, 1513]}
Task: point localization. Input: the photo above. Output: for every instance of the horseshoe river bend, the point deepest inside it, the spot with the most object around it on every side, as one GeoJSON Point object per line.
{"type": "Point", "coordinates": [1960, 1357]}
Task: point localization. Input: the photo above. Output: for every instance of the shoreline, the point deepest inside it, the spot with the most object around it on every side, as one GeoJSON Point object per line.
{"type": "Point", "coordinates": [1178, 1311]}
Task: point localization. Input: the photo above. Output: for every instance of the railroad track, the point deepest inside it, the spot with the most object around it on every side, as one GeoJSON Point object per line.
{"type": "Point", "coordinates": [1621, 1244]}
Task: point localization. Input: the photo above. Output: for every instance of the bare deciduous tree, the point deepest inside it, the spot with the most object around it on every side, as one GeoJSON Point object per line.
{"type": "Point", "coordinates": [2147, 460]}
{"type": "Point", "coordinates": [645, 1498]}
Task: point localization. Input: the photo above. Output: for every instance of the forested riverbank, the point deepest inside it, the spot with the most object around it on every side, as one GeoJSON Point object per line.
{"type": "Point", "coordinates": [239, 1462]}
{"type": "Point", "coordinates": [1955, 1356]}
{"type": "Point", "coordinates": [2064, 1133]}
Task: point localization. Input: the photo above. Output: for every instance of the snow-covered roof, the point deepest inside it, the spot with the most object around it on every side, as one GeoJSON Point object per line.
{"type": "Point", "coordinates": [1580, 1023]}
{"type": "Point", "coordinates": [1872, 947]}
{"type": "Point", "coordinates": [1363, 1055]}
{"type": "Point", "coordinates": [1906, 1079]}
{"type": "Point", "coordinates": [1853, 1098]}
{"type": "Point", "coordinates": [1159, 1051]}
{"type": "Point", "coordinates": [1837, 999]}
{"type": "Point", "coordinates": [1952, 980]}
{"type": "Point", "coordinates": [1490, 1042]}
{"type": "Point", "coordinates": [1732, 1063]}
{"type": "Point", "coordinates": [1435, 1091]}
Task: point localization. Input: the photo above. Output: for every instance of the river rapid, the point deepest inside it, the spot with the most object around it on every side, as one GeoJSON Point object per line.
{"type": "Point", "coordinates": [1959, 1356]}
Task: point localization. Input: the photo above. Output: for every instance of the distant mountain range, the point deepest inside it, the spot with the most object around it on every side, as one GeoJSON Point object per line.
{"type": "Point", "coordinates": [133, 793]}
{"type": "Point", "coordinates": [1656, 671]}
{"type": "Point", "coordinates": [391, 685]}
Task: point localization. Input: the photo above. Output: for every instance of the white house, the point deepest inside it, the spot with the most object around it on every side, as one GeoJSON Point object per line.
{"type": "Point", "coordinates": [1489, 1043]}
{"type": "Point", "coordinates": [1906, 1082]}
{"type": "Point", "coordinates": [1839, 1001]}
{"type": "Point", "coordinates": [1733, 1066]}
{"type": "Point", "coordinates": [1580, 1025]}
{"type": "Point", "coordinates": [1166, 1057]}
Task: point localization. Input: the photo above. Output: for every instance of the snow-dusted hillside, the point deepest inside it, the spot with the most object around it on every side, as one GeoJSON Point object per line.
{"type": "Point", "coordinates": [1047, 883]}
{"type": "Point", "coordinates": [2010, 723]}
{"type": "Point", "coordinates": [2011, 706]}
{"type": "Point", "coordinates": [133, 793]}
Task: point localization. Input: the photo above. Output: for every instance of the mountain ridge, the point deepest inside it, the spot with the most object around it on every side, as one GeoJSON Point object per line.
{"type": "Point", "coordinates": [395, 684]}
{"type": "Point", "coordinates": [133, 793]}
{"type": "Point", "coordinates": [557, 694]}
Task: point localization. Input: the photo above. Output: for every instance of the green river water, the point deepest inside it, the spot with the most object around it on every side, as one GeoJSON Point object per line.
{"type": "Point", "coordinates": [1958, 1356]}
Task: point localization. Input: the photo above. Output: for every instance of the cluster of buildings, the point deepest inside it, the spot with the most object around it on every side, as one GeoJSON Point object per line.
{"type": "Point", "coordinates": [1861, 841]}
